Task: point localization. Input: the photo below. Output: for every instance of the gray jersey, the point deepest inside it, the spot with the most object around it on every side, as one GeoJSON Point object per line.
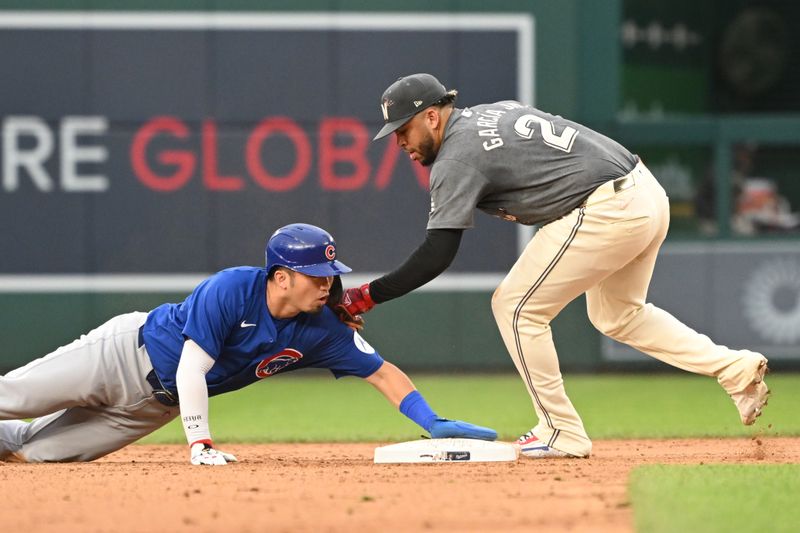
{"type": "Point", "coordinates": [518, 163]}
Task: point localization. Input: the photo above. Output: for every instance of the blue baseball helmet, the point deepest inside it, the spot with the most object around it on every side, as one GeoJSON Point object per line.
{"type": "Point", "coordinates": [306, 249]}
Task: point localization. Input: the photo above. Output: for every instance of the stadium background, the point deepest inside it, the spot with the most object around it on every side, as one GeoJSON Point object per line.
{"type": "Point", "coordinates": [142, 151]}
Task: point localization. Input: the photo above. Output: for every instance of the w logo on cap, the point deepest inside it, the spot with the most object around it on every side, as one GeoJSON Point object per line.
{"type": "Point", "coordinates": [385, 108]}
{"type": "Point", "coordinates": [408, 96]}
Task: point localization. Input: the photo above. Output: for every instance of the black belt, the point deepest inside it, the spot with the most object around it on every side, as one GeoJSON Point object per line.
{"type": "Point", "coordinates": [161, 394]}
{"type": "Point", "coordinates": [620, 184]}
{"type": "Point", "coordinates": [625, 182]}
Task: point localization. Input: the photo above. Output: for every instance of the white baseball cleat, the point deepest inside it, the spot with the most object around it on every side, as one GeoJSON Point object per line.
{"type": "Point", "coordinates": [530, 446]}
{"type": "Point", "coordinates": [751, 400]}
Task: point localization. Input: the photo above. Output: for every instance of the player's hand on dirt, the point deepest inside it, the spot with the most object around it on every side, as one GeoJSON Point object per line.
{"type": "Point", "coordinates": [203, 453]}
{"type": "Point", "coordinates": [358, 300]}
{"type": "Point", "coordinates": [443, 428]}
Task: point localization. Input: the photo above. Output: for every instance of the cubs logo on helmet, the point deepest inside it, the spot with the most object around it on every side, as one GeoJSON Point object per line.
{"type": "Point", "coordinates": [277, 362]}
{"type": "Point", "coordinates": [306, 249]}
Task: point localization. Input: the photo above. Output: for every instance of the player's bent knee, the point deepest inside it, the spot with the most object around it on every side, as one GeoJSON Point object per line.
{"type": "Point", "coordinates": [14, 457]}
{"type": "Point", "coordinates": [599, 323]}
{"type": "Point", "coordinates": [51, 452]}
{"type": "Point", "coordinates": [500, 300]}
{"type": "Point", "coordinates": [606, 327]}
{"type": "Point", "coordinates": [613, 327]}
{"type": "Point", "coordinates": [506, 308]}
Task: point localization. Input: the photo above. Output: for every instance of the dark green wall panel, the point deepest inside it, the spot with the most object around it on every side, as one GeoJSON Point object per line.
{"type": "Point", "coordinates": [425, 331]}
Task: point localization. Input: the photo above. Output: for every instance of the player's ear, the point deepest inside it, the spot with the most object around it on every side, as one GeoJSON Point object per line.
{"type": "Point", "coordinates": [432, 117]}
{"type": "Point", "coordinates": [282, 277]}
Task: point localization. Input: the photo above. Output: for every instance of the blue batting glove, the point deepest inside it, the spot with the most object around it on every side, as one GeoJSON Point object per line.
{"type": "Point", "coordinates": [444, 429]}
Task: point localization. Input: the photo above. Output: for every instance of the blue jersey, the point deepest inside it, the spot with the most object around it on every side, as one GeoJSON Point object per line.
{"type": "Point", "coordinates": [227, 316]}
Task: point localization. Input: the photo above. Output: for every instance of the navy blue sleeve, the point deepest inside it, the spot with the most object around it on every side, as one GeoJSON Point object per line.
{"type": "Point", "coordinates": [212, 311]}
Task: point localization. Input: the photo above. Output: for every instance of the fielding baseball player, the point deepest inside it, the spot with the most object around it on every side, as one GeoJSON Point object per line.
{"type": "Point", "coordinates": [602, 218]}
{"type": "Point", "coordinates": [138, 371]}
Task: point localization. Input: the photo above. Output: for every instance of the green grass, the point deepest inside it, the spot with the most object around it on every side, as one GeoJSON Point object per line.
{"type": "Point", "coordinates": [294, 408]}
{"type": "Point", "coordinates": [716, 498]}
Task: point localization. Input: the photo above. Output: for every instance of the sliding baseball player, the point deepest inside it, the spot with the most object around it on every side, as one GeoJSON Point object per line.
{"type": "Point", "coordinates": [138, 371]}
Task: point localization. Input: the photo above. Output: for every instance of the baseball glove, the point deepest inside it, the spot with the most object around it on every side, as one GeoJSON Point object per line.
{"type": "Point", "coordinates": [354, 322]}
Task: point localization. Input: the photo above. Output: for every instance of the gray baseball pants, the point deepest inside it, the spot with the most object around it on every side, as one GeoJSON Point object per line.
{"type": "Point", "coordinates": [87, 399]}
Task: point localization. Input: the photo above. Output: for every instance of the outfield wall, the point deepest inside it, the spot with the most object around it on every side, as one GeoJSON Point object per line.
{"type": "Point", "coordinates": [743, 296]}
{"type": "Point", "coordinates": [168, 142]}
{"type": "Point", "coordinates": [142, 150]}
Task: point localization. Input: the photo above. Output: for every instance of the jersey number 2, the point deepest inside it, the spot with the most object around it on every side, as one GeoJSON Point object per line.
{"type": "Point", "coordinates": [524, 128]}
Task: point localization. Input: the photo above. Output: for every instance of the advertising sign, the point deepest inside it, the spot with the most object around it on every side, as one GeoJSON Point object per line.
{"type": "Point", "coordinates": [177, 142]}
{"type": "Point", "coordinates": [742, 295]}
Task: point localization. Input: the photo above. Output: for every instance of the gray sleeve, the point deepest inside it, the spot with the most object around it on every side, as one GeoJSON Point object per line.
{"type": "Point", "coordinates": [456, 189]}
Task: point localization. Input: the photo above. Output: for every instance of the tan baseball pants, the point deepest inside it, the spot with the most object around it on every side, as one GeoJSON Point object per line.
{"type": "Point", "coordinates": [607, 249]}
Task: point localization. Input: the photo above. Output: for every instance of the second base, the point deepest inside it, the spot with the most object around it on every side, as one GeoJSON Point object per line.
{"type": "Point", "coordinates": [446, 451]}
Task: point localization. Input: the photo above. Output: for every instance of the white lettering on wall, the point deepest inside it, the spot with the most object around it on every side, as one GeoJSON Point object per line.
{"type": "Point", "coordinates": [32, 159]}
{"type": "Point", "coordinates": [72, 154]}
{"type": "Point", "coordinates": [27, 159]}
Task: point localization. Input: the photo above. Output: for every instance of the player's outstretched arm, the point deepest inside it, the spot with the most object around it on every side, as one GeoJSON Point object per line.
{"type": "Point", "coordinates": [392, 383]}
{"type": "Point", "coordinates": [193, 393]}
{"type": "Point", "coordinates": [429, 260]}
{"type": "Point", "coordinates": [400, 391]}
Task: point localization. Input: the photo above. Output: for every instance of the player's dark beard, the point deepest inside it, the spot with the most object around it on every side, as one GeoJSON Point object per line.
{"type": "Point", "coordinates": [426, 152]}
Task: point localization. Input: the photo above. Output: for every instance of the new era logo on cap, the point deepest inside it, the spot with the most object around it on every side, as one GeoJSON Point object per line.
{"type": "Point", "coordinates": [406, 97]}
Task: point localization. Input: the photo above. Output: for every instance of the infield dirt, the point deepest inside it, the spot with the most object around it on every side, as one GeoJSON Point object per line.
{"type": "Point", "coordinates": [336, 487]}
